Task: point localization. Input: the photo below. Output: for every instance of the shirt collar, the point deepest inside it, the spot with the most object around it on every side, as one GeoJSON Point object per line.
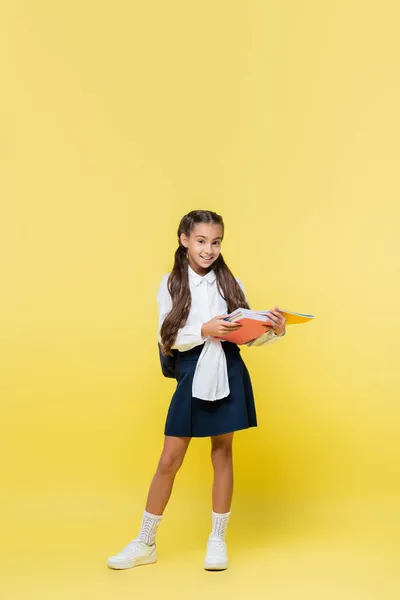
{"type": "Point", "coordinates": [197, 279]}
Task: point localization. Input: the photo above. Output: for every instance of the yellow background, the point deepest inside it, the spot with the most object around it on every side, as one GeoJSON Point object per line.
{"type": "Point", "coordinates": [116, 119]}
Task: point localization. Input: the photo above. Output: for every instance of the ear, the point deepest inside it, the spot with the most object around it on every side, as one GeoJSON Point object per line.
{"type": "Point", "coordinates": [184, 240]}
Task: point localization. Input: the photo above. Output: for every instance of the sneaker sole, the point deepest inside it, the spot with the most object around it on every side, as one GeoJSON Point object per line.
{"type": "Point", "coordinates": [211, 567]}
{"type": "Point", "coordinates": [129, 564]}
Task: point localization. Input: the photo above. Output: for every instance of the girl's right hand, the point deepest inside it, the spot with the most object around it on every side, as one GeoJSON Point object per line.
{"type": "Point", "coordinates": [218, 327]}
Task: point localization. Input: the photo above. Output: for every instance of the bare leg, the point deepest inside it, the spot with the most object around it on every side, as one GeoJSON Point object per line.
{"type": "Point", "coordinates": [170, 461]}
{"type": "Point", "coordinates": [222, 461]}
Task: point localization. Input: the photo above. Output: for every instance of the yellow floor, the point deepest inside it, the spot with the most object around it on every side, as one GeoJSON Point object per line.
{"type": "Point", "coordinates": [56, 546]}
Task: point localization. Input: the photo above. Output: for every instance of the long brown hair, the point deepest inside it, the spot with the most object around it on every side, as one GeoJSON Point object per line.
{"type": "Point", "coordinates": [178, 280]}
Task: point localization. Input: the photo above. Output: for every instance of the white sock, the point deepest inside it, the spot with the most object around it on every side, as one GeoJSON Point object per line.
{"type": "Point", "coordinates": [219, 525]}
{"type": "Point", "coordinates": [149, 528]}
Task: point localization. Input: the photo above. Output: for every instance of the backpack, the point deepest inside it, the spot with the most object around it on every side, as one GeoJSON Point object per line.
{"type": "Point", "coordinates": [168, 363]}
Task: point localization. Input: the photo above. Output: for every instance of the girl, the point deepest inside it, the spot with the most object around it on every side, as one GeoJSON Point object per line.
{"type": "Point", "coordinates": [214, 395]}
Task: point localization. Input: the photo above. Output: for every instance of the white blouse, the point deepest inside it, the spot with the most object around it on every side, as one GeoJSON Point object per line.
{"type": "Point", "coordinates": [210, 381]}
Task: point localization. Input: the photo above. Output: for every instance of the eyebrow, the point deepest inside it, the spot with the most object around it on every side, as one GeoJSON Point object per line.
{"type": "Point", "coordinates": [204, 237]}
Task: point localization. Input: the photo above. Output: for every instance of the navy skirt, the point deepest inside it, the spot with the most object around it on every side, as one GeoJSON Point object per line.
{"type": "Point", "coordinates": [191, 417]}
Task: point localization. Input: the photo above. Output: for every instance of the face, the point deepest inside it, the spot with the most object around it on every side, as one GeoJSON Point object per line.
{"type": "Point", "coordinates": [204, 246]}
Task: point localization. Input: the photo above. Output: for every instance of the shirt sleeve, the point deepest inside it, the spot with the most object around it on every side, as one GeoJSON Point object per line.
{"type": "Point", "coordinates": [188, 336]}
{"type": "Point", "coordinates": [266, 338]}
{"type": "Point", "coordinates": [269, 337]}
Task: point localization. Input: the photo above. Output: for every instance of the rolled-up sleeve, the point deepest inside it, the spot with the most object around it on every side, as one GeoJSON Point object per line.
{"type": "Point", "coordinates": [266, 338]}
{"type": "Point", "coordinates": [188, 336]}
{"type": "Point", "coordinates": [269, 337]}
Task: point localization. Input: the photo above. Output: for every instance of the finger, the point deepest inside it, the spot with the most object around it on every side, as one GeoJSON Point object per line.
{"type": "Point", "coordinates": [276, 313]}
{"type": "Point", "coordinates": [279, 318]}
{"type": "Point", "coordinates": [271, 314]}
{"type": "Point", "coordinates": [272, 320]}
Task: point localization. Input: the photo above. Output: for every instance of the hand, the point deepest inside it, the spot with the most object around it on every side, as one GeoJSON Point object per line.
{"type": "Point", "coordinates": [277, 321]}
{"type": "Point", "coordinates": [217, 327]}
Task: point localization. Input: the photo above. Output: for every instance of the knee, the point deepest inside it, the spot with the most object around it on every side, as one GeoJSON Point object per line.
{"type": "Point", "coordinates": [221, 454]}
{"type": "Point", "coordinates": [170, 463]}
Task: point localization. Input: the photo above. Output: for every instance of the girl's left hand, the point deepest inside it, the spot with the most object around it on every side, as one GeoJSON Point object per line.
{"type": "Point", "coordinates": [277, 321]}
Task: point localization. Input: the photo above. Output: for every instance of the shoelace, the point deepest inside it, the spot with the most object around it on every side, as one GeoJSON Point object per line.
{"type": "Point", "coordinates": [217, 545]}
{"type": "Point", "coordinates": [133, 544]}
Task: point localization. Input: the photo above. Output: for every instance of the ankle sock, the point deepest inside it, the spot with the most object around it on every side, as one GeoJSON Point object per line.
{"type": "Point", "coordinates": [149, 528]}
{"type": "Point", "coordinates": [219, 525]}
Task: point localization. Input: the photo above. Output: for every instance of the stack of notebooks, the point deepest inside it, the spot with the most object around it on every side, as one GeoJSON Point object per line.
{"type": "Point", "coordinates": [252, 323]}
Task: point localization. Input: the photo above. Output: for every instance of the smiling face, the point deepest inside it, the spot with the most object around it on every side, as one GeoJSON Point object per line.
{"type": "Point", "coordinates": [204, 246]}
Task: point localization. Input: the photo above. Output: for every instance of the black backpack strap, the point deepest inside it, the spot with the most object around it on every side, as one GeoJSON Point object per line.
{"type": "Point", "coordinates": [168, 363]}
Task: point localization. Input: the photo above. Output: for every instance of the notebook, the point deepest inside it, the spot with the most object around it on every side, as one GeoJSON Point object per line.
{"type": "Point", "coordinates": [252, 327]}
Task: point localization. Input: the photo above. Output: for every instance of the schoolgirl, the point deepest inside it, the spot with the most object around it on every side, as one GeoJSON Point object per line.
{"type": "Point", "coordinates": [214, 395]}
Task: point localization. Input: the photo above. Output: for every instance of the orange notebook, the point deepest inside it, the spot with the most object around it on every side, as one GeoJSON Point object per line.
{"type": "Point", "coordinates": [252, 323]}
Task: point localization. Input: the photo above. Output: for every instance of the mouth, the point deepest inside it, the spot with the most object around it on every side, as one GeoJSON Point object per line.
{"type": "Point", "coordinates": [207, 259]}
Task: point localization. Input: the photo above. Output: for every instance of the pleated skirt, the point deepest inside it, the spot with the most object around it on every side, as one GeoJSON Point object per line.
{"type": "Point", "coordinates": [192, 417]}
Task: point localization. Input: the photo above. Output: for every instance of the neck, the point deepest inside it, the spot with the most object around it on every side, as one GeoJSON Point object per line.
{"type": "Point", "coordinates": [199, 270]}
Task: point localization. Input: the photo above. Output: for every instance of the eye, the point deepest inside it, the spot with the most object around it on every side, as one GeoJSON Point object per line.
{"type": "Point", "coordinates": [201, 241]}
{"type": "Point", "coordinates": [217, 243]}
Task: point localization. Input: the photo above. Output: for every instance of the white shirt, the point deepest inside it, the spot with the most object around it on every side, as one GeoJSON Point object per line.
{"type": "Point", "coordinates": [210, 380]}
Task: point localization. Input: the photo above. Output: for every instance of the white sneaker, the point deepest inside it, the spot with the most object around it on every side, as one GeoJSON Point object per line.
{"type": "Point", "coordinates": [216, 556]}
{"type": "Point", "coordinates": [134, 554]}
